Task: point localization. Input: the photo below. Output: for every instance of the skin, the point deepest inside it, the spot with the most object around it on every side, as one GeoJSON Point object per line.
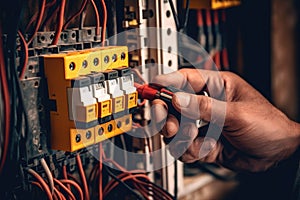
{"type": "Point", "coordinates": [255, 135]}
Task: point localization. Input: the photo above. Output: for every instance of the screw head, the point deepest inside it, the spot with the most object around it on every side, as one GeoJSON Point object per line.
{"type": "Point", "coordinates": [88, 134]}
{"type": "Point", "coordinates": [114, 58]}
{"type": "Point", "coordinates": [84, 63]}
{"type": "Point", "coordinates": [101, 131]}
{"type": "Point", "coordinates": [72, 66]}
{"type": "Point", "coordinates": [123, 56]}
{"type": "Point", "coordinates": [96, 61]}
{"type": "Point", "coordinates": [78, 138]}
{"type": "Point", "coordinates": [106, 59]}
{"type": "Point", "coordinates": [119, 124]}
{"type": "Point", "coordinates": [110, 128]}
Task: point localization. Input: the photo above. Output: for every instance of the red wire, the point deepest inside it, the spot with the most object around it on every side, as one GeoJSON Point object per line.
{"type": "Point", "coordinates": [60, 22]}
{"type": "Point", "coordinates": [60, 184]}
{"type": "Point", "coordinates": [208, 17]}
{"type": "Point", "coordinates": [25, 46]}
{"type": "Point", "coordinates": [42, 182]}
{"type": "Point", "coordinates": [6, 101]}
{"type": "Point", "coordinates": [46, 23]}
{"type": "Point", "coordinates": [75, 185]}
{"type": "Point", "coordinates": [83, 5]}
{"type": "Point", "coordinates": [57, 194]}
{"type": "Point", "coordinates": [199, 18]}
{"type": "Point", "coordinates": [65, 175]}
{"type": "Point", "coordinates": [104, 22]}
{"type": "Point", "coordinates": [33, 18]}
{"type": "Point", "coordinates": [38, 24]}
{"type": "Point", "coordinates": [97, 17]}
{"type": "Point", "coordinates": [83, 178]}
{"type": "Point", "coordinates": [100, 171]}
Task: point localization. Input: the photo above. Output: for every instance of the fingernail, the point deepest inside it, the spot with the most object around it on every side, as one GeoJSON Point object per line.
{"type": "Point", "coordinates": [182, 99]}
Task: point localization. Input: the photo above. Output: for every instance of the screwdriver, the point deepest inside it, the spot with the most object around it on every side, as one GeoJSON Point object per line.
{"type": "Point", "coordinates": [153, 91]}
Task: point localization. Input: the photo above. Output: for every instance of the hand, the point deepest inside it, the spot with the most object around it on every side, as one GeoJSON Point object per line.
{"type": "Point", "coordinates": [255, 134]}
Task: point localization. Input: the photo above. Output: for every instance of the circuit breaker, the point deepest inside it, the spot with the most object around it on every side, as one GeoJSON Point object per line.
{"type": "Point", "coordinates": [92, 92]}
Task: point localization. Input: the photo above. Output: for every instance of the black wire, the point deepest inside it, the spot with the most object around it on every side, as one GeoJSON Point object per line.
{"type": "Point", "coordinates": [175, 180]}
{"type": "Point", "coordinates": [187, 12]}
{"type": "Point", "coordinates": [177, 23]}
{"type": "Point", "coordinates": [137, 195]}
{"type": "Point", "coordinates": [157, 186]}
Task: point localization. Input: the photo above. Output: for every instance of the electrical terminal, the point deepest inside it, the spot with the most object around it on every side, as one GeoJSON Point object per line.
{"type": "Point", "coordinates": [83, 107]}
{"type": "Point", "coordinates": [126, 80]}
{"type": "Point", "coordinates": [113, 86]}
{"type": "Point", "coordinates": [103, 98]}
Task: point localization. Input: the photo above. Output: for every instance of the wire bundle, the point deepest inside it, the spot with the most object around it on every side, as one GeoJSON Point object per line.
{"type": "Point", "coordinates": [135, 181]}
{"type": "Point", "coordinates": [61, 189]}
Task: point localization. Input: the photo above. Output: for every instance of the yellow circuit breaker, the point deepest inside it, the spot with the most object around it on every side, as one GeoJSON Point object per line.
{"type": "Point", "coordinates": [86, 93]}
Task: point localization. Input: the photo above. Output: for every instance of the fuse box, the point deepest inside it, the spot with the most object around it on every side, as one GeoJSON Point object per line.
{"type": "Point", "coordinates": [92, 91]}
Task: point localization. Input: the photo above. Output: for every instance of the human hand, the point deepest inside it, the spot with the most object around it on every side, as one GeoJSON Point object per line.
{"type": "Point", "coordinates": [255, 134]}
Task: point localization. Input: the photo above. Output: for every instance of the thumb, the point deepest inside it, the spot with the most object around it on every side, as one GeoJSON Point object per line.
{"type": "Point", "coordinates": [200, 107]}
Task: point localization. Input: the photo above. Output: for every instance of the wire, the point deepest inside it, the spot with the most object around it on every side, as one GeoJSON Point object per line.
{"type": "Point", "coordinates": [25, 61]}
{"type": "Point", "coordinates": [75, 185]}
{"type": "Point", "coordinates": [39, 21]}
{"type": "Point", "coordinates": [49, 18]}
{"type": "Point", "coordinates": [100, 171]}
{"type": "Point", "coordinates": [65, 174]}
{"type": "Point", "coordinates": [34, 17]}
{"type": "Point", "coordinates": [42, 182]}
{"type": "Point", "coordinates": [137, 195]}
{"type": "Point", "coordinates": [6, 100]}
{"type": "Point", "coordinates": [48, 173]}
{"type": "Point", "coordinates": [187, 12]}
{"type": "Point", "coordinates": [122, 138]}
{"type": "Point", "coordinates": [83, 178]}
{"type": "Point", "coordinates": [60, 184]}
{"type": "Point", "coordinates": [97, 17]}
{"type": "Point", "coordinates": [83, 5]}
{"type": "Point", "coordinates": [60, 22]}
{"type": "Point", "coordinates": [176, 19]}
{"type": "Point", "coordinates": [104, 22]}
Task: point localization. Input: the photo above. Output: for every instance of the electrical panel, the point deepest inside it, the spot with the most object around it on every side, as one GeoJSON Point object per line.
{"type": "Point", "coordinates": [68, 71]}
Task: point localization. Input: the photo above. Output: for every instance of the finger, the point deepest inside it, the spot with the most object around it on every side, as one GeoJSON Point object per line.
{"type": "Point", "coordinates": [187, 79]}
{"type": "Point", "coordinates": [203, 149]}
{"type": "Point", "coordinates": [171, 126]}
{"type": "Point", "coordinates": [194, 81]}
{"type": "Point", "coordinates": [202, 107]}
{"type": "Point", "coordinates": [159, 110]}
{"type": "Point", "coordinates": [183, 139]}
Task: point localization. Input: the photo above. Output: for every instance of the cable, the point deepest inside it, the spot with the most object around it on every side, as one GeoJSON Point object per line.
{"type": "Point", "coordinates": [75, 185]}
{"type": "Point", "coordinates": [79, 12]}
{"type": "Point", "coordinates": [175, 179]}
{"type": "Point", "coordinates": [39, 21]}
{"type": "Point", "coordinates": [60, 22]}
{"type": "Point", "coordinates": [100, 171]}
{"type": "Point", "coordinates": [42, 182]}
{"type": "Point", "coordinates": [122, 138]}
{"type": "Point", "coordinates": [97, 17]}
{"type": "Point", "coordinates": [70, 194]}
{"type": "Point", "coordinates": [48, 173]}
{"type": "Point", "coordinates": [25, 50]}
{"type": "Point", "coordinates": [104, 22]}
{"type": "Point", "coordinates": [34, 17]}
{"type": "Point", "coordinates": [6, 100]}
{"type": "Point", "coordinates": [137, 195]}
{"type": "Point", "coordinates": [83, 178]}
{"type": "Point", "coordinates": [176, 19]}
{"type": "Point", "coordinates": [187, 12]}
